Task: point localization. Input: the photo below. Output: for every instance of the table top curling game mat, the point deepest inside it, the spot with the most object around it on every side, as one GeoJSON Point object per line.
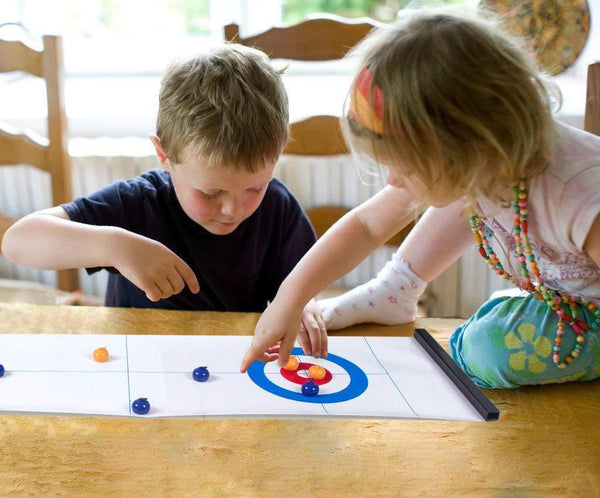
{"type": "Point", "coordinates": [198, 376]}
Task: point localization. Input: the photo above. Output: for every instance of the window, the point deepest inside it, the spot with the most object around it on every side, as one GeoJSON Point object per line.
{"type": "Point", "coordinates": [116, 51]}
{"type": "Point", "coordinates": [293, 11]}
{"type": "Point", "coordinates": [131, 37]}
{"type": "Point", "coordinates": [138, 37]}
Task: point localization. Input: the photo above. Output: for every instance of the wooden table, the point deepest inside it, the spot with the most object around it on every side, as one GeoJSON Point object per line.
{"type": "Point", "coordinates": [546, 442]}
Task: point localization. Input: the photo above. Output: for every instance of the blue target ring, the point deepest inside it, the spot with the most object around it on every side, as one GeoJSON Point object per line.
{"type": "Point", "coordinates": [358, 382]}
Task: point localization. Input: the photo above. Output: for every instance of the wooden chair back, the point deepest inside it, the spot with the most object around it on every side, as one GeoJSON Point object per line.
{"type": "Point", "coordinates": [47, 154]}
{"type": "Point", "coordinates": [323, 38]}
{"type": "Point", "coordinates": [591, 120]}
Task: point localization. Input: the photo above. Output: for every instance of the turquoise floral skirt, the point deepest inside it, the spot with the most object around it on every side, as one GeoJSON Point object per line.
{"type": "Point", "coordinates": [509, 341]}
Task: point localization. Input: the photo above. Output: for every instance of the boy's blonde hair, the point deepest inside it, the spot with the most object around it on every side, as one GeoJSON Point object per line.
{"type": "Point", "coordinates": [463, 105]}
{"type": "Point", "coordinates": [226, 106]}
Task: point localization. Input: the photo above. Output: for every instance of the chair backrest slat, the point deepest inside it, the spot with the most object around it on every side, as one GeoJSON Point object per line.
{"type": "Point", "coordinates": [16, 56]}
{"type": "Point", "coordinates": [591, 121]}
{"type": "Point", "coordinates": [316, 136]}
{"type": "Point", "coordinates": [22, 149]}
{"type": "Point", "coordinates": [49, 155]}
{"type": "Point", "coordinates": [317, 39]}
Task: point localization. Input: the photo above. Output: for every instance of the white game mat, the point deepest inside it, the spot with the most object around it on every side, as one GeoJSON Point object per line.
{"type": "Point", "coordinates": [368, 377]}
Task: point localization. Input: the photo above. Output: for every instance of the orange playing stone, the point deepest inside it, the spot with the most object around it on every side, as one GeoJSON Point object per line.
{"type": "Point", "coordinates": [292, 363]}
{"type": "Point", "coordinates": [316, 372]}
{"type": "Point", "coordinates": [101, 355]}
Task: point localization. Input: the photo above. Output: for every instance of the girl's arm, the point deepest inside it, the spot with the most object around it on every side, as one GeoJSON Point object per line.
{"type": "Point", "coordinates": [49, 240]}
{"type": "Point", "coordinates": [344, 245]}
{"type": "Point", "coordinates": [435, 242]}
{"type": "Point", "coordinates": [347, 243]}
{"type": "Point", "coordinates": [440, 237]}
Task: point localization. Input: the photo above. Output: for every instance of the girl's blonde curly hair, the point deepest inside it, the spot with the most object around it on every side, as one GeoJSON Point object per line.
{"type": "Point", "coordinates": [464, 105]}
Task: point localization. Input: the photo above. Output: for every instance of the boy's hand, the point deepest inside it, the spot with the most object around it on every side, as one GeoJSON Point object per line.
{"type": "Point", "coordinates": [313, 333]}
{"type": "Point", "coordinates": [153, 267]}
{"type": "Point", "coordinates": [277, 324]}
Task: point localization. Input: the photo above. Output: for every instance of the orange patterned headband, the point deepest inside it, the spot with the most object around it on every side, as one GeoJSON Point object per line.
{"type": "Point", "coordinates": [366, 102]}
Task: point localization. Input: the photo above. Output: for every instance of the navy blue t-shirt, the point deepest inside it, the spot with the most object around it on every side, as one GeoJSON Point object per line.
{"type": "Point", "coordinates": [240, 271]}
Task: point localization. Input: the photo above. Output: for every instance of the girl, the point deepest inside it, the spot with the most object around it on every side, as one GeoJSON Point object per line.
{"type": "Point", "coordinates": [458, 115]}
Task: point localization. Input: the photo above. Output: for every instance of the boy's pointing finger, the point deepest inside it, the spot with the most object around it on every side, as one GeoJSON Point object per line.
{"type": "Point", "coordinates": [188, 276]}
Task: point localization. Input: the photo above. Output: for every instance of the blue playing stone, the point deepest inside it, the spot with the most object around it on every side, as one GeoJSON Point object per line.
{"type": "Point", "coordinates": [201, 374]}
{"type": "Point", "coordinates": [310, 388]}
{"type": "Point", "coordinates": [1, 370]}
{"type": "Point", "coordinates": [141, 406]}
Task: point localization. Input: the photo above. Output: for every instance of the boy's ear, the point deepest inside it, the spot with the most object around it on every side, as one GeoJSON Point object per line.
{"type": "Point", "coordinates": [162, 158]}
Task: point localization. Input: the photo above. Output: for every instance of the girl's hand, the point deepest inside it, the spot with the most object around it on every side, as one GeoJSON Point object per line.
{"type": "Point", "coordinates": [313, 334]}
{"type": "Point", "coordinates": [278, 324]}
{"type": "Point", "coordinates": [152, 267]}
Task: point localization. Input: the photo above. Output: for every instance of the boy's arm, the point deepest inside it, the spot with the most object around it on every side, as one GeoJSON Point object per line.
{"type": "Point", "coordinates": [49, 240]}
{"type": "Point", "coordinates": [344, 245]}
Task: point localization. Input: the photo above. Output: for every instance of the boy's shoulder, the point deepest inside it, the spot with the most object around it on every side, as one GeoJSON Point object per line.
{"type": "Point", "coordinates": [279, 195]}
{"type": "Point", "coordinates": [149, 182]}
{"type": "Point", "coordinates": [153, 184]}
{"type": "Point", "coordinates": [279, 207]}
{"type": "Point", "coordinates": [122, 202]}
{"type": "Point", "coordinates": [277, 187]}
{"type": "Point", "coordinates": [154, 179]}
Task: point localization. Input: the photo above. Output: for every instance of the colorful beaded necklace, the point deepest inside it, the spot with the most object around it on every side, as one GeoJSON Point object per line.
{"type": "Point", "coordinates": [565, 305]}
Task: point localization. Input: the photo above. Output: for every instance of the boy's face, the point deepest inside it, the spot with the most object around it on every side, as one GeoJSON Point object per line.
{"type": "Point", "coordinates": [218, 199]}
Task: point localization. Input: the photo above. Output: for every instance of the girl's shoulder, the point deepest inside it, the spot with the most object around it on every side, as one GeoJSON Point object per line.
{"type": "Point", "coordinates": [573, 172]}
{"type": "Point", "coordinates": [574, 150]}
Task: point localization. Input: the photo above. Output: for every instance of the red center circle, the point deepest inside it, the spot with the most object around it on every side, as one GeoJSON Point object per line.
{"type": "Point", "coordinates": [292, 375]}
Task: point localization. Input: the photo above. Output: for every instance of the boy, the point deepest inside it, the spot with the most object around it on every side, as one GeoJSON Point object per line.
{"type": "Point", "coordinates": [212, 230]}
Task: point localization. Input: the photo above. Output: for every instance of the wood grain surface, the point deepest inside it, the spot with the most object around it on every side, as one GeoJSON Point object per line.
{"type": "Point", "coordinates": [546, 442]}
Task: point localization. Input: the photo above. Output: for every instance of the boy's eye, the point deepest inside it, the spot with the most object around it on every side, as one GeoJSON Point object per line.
{"type": "Point", "coordinates": [209, 196]}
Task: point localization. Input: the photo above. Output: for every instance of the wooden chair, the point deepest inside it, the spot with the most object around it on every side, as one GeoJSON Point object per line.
{"type": "Point", "coordinates": [47, 154]}
{"type": "Point", "coordinates": [323, 38]}
{"type": "Point", "coordinates": [591, 120]}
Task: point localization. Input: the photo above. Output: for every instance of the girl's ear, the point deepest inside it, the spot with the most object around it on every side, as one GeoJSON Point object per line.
{"type": "Point", "coordinates": [162, 158]}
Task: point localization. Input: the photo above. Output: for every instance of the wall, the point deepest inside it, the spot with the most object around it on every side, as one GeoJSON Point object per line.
{"type": "Point", "coordinates": [457, 292]}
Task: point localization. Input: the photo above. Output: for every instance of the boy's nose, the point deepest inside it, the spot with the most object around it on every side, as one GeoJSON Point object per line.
{"type": "Point", "coordinates": [231, 207]}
